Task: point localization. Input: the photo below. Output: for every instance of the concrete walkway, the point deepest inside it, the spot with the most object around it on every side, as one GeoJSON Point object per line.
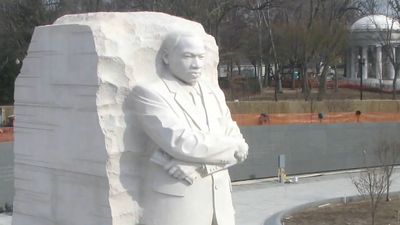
{"type": "Point", "coordinates": [256, 201]}
{"type": "Point", "coordinates": [5, 219]}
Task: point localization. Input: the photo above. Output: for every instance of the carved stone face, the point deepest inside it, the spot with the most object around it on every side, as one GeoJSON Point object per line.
{"type": "Point", "coordinates": [186, 60]}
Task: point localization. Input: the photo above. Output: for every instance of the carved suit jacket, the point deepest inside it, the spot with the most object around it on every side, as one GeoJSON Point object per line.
{"type": "Point", "coordinates": [178, 132]}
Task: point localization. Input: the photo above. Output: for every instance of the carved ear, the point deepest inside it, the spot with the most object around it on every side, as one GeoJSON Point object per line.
{"type": "Point", "coordinates": [165, 57]}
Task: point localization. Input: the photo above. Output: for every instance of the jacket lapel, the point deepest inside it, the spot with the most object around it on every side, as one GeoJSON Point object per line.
{"type": "Point", "coordinates": [208, 99]}
{"type": "Point", "coordinates": [183, 100]}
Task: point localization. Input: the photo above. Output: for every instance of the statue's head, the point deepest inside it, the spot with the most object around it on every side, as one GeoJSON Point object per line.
{"type": "Point", "coordinates": [183, 54]}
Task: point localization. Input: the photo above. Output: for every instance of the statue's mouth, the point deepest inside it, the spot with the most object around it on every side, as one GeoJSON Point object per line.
{"type": "Point", "coordinates": [195, 74]}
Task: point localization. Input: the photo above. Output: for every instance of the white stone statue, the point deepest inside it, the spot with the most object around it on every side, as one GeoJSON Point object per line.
{"type": "Point", "coordinates": [84, 149]}
{"type": "Point", "coordinates": [192, 139]}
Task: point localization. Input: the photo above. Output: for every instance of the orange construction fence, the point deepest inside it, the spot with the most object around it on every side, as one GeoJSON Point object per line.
{"type": "Point", "coordinates": [314, 118]}
{"type": "Point", "coordinates": [6, 134]}
{"type": "Point", "coordinates": [253, 119]}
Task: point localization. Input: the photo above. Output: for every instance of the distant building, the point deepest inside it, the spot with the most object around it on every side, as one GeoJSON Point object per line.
{"type": "Point", "coordinates": [244, 69]}
{"type": "Point", "coordinates": [368, 50]}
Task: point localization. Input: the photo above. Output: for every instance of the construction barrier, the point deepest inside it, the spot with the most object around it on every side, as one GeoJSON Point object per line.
{"type": "Point", "coordinates": [253, 119]}
{"type": "Point", "coordinates": [6, 134]}
{"type": "Point", "coordinates": [314, 118]}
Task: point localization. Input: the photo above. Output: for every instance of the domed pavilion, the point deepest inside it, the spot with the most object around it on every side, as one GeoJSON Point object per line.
{"type": "Point", "coordinates": [371, 49]}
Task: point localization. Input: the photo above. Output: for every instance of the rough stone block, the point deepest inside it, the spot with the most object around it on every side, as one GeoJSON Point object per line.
{"type": "Point", "coordinates": [77, 153]}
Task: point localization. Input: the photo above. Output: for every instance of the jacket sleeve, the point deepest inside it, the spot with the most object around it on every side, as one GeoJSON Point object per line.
{"type": "Point", "coordinates": [172, 134]}
{"type": "Point", "coordinates": [231, 130]}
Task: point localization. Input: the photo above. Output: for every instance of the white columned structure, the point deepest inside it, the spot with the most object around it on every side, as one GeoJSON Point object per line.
{"type": "Point", "coordinates": [364, 56]}
{"type": "Point", "coordinates": [368, 31]}
{"type": "Point", "coordinates": [378, 62]}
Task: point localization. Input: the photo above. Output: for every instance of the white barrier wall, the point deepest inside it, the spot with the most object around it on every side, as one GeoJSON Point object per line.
{"type": "Point", "coordinates": [312, 148]}
{"type": "Point", "coordinates": [308, 149]}
{"type": "Point", "coordinates": [6, 173]}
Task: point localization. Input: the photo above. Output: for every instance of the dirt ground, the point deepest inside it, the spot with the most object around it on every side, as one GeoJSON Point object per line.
{"type": "Point", "coordinates": [347, 214]}
{"type": "Point", "coordinates": [296, 94]}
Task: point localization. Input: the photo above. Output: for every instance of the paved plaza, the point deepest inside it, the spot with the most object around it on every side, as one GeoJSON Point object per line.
{"type": "Point", "coordinates": [256, 201]}
{"type": "Point", "coordinates": [5, 219]}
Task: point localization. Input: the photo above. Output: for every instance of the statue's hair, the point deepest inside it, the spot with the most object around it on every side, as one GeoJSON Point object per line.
{"type": "Point", "coordinates": [172, 39]}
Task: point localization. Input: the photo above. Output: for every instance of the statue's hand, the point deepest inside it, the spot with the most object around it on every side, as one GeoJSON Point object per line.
{"type": "Point", "coordinates": [186, 172]}
{"type": "Point", "coordinates": [242, 152]}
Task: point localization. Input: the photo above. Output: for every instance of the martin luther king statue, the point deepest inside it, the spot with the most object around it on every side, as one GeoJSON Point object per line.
{"type": "Point", "coordinates": [192, 138]}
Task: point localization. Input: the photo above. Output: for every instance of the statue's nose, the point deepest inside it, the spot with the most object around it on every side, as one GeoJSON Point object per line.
{"type": "Point", "coordinates": [196, 63]}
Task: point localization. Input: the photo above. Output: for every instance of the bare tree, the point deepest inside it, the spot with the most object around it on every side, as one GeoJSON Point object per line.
{"type": "Point", "coordinates": [393, 32]}
{"type": "Point", "coordinates": [333, 19]}
{"type": "Point", "coordinates": [389, 155]}
{"type": "Point", "coordinates": [374, 182]}
{"type": "Point", "coordinates": [315, 33]}
{"type": "Point", "coordinates": [369, 7]}
{"type": "Point", "coordinates": [371, 184]}
{"type": "Point", "coordinates": [278, 77]}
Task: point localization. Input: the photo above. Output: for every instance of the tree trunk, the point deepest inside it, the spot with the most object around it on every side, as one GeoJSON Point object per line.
{"type": "Point", "coordinates": [260, 50]}
{"type": "Point", "coordinates": [336, 80]}
{"type": "Point", "coordinates": [265, 76]}
{"type": "Point", "coordinates": [373, 216]}
{"type": "Point", "coordinates": [279, 82]}
{"type": "Point", "coordinates": [387, 187]}
{"type": "Point", "coordinates": [230, 75]}
{"type": "Point", "coordinates": [322, 83]}
{"type": "Point", "coordinates": [306, 88]}
{"type": "Point", "coordinates": [394, 84]}
{"type": "Point", "coordinates": [230, 69]}
{"type": "Point", "coordinates": [389, 172]}
{"type": "Point", "coordinates": [260, 84]}
{"type": "Point", "coordinates": [276, 78]}
{"type": "Point", "coordinates": [293, 78]}
{"type": "Point", "coordinates": [258, 77]}
{"type": "Point", "coordinates": [373, 204]}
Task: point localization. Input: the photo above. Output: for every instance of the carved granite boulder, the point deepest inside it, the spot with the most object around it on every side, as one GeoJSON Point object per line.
{"type": "Point", "coordinates": [78, 155]}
